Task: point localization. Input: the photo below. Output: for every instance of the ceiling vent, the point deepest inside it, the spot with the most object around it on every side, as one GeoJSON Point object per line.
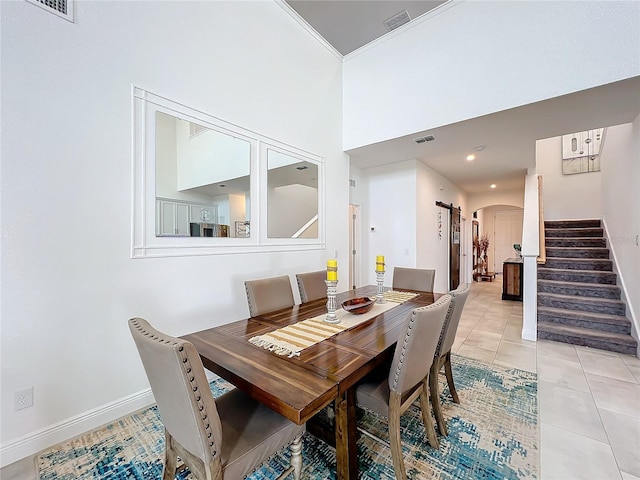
{"type": "Point", "coordinates": [397, 20]}
{"type": "Point", "coordinates": [428, 138]}
{"type": "Point", "coordinates": [61, 8]}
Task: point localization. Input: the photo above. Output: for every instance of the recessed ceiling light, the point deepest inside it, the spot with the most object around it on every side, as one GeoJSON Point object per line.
{"type": "Point", "coordinates": [493, 185]}
{"type": "Point", "coordinates": [222, 185]}
{"type": "Point", "coordinates": [471, 157]}
{"type": "Point", "coordinates": [302, 167]}
{"type": "Point", "coordinates": [479, 148]}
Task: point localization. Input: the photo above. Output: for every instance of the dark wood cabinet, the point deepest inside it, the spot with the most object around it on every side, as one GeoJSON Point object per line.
{"type": "Point", "coordinates": [512, 279]}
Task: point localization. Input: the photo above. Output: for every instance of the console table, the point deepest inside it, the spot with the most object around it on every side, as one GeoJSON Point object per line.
{"type": "Point", "coordinates": [512, 279]}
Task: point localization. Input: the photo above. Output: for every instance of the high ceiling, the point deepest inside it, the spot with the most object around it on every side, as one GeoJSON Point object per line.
{"type": "Point", "coordinates": [350, 24]}
{"type": "Point", "coordinates": [508, 137]}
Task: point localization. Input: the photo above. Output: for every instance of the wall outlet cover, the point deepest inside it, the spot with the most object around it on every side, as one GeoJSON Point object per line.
{"type": "Point", "coordinates": [23, 399]}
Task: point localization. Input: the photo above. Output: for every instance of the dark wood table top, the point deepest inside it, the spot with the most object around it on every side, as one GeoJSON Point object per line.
{"type": "Point", "coordinates": [299, 387]}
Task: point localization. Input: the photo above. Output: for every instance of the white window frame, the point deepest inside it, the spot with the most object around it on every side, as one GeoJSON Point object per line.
{"type": "Point", "coordinates": [145, 243]}
{"type": "Point", "coordinates": [264, 147]}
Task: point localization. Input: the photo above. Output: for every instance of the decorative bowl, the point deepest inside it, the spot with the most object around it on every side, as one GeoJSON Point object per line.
{"type": "Point", "coordinates": [358, 305]}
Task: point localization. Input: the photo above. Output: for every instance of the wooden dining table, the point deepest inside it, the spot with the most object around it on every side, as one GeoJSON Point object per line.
{"type": "Point", "coordinates": [327, 372]}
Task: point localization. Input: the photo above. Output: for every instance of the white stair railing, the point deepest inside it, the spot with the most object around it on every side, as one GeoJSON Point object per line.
{"type": "Point", "coordinates": [305, 227]}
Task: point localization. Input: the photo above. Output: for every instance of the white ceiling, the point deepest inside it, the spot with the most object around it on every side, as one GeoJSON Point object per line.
{"type": "Point", "coordinates": [509, 136]}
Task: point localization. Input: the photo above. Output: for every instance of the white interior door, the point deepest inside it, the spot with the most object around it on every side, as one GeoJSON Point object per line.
{"type": "Point", "coordinates": [354, 245]}
{"type": "Point", "coordinates": [507, 230]}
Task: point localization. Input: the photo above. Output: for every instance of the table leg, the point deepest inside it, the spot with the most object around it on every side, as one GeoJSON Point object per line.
{"type": "Point", "coordinates": [346, 448]}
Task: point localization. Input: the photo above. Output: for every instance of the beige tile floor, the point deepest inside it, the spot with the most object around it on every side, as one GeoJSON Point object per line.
{"type": "Point", "coordinates": [589, 400]}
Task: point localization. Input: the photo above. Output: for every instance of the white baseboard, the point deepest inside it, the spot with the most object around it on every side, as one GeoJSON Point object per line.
{"type": "Point", "coordinates": [621, 283]}
{"type": "Point", "coordinates": [47, 437]}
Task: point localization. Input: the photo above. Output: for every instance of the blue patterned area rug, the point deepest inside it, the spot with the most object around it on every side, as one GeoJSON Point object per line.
{"type": "Point", "coordinates": [493, 434]}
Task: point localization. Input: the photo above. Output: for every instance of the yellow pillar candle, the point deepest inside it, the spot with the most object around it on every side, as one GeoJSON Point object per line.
{"type": "Point", "coordinates": [380, 263]}
{"type": "Point", "coordinates": [332, 270]}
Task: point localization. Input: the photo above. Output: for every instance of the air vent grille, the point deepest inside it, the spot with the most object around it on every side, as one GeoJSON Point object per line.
{"type": "Point", "coordinates": [397, 20]}
{"type": "Point", "coordinates": [62, 8]}
{"type": "Point", "coordinates": [428, 138]}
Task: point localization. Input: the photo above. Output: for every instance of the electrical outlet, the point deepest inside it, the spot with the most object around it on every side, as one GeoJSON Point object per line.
{"type": "Point", "coordinates": [23, 399]}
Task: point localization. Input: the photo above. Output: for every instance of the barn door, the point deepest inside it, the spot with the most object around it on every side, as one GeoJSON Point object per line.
{"type": "Point", "coordinates": [454, 250]}
{"type": "Point", "coordinates": [454, 244]}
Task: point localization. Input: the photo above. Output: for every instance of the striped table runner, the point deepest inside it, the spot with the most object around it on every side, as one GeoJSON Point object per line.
{"type": "Point", "coordinates": [292, 339]}
{"type": "Point", "coordinates": [397, 296]}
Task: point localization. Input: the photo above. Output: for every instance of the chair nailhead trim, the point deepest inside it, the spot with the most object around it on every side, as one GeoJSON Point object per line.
{"type": "Point", "coordinates": [185, 361]}
{"type": "Point", "coordinates": [201, 406]}
{"type": "Point", "coordinates": [406, 339]}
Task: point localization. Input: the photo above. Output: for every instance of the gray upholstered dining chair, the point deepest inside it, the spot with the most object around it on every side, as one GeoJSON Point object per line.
{"type": "Point", "coordinates": [227, 437]}
{"type": "Point", "coordinates": [442, 355]}
{"type": "Point", "coordinates": [268, 294]}
{"type": "Point", "coordinates": [421, 279]}
{"type": "Point", "coordinates": [392, 394]}
{"type": "Point", "coordinates": [311, 285]}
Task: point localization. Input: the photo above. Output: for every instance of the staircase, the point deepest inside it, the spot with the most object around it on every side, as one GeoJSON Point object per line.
{"type": "Point", "coordinates": [578, 299]}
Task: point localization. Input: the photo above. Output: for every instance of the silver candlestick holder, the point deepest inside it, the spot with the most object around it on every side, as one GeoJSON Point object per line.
{"type": "Point", "coordinates": [380, 282]}
{"type": "Point", "coordinates": [332, 287]}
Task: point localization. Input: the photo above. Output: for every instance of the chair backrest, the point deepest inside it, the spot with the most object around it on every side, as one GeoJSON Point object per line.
{"type": "Point", "coordinates": [417, 344]}
{"type": "Point", "coordinates": [450, 327]}
{"type": "Point", "coordinates": [413, 279]}
{"type": "Point", "coordinates": [269, 294]}
{"type": "Point", "coordinates": [311, 285]}
{"type": "Point", "coordinates": [180, 388]}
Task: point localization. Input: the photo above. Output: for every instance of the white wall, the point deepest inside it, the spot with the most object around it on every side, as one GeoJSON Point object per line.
{"type": "Point", "coordinates": [289, 208]}
{"type": "Point", "coordinates": [237, 211]}
{"type": "Point", "coordinates": [432, 245]}
{"type": "Point", "coordinates": [166, 164]}
{"type": "Point", "coordinates": [443, 70]}
{"type": "Point", "coordinates": [390, 210]}
{"type": "Point", "coordinates": [357, 194]}
{"type": "Point", "coordinates": [68, 282]}
{"type": "Point", "coordinates": [566, 197]}
{"type": "Point", "coordinates": [209, 157]}
{"type": "Point", "coordinates": [400, 204]}
{"type": "Point", "coordinates": [621, 206]}
{"type": "Point", "coordinates": [514, 198]}
{"type": "Point", "coordinates": [611, 194]}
